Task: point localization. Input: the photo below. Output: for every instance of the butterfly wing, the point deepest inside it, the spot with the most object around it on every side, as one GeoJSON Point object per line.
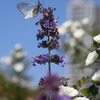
{"type": "Point", "coordinates": [29, 9]}
{"type": "Point", "coordinates": [25, 8]}
{"type": "Point", "coordinates": [36, 10]}
{"type": "Point", "coordinates": [29, 14]}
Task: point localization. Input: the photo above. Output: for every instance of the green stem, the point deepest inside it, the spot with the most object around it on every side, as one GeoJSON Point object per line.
{"type": "Point", "coordinates": [49, 60]}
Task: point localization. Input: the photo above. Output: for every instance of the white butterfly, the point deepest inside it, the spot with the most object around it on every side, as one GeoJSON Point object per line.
{"type": "Point", "coordinates": [29, 9]}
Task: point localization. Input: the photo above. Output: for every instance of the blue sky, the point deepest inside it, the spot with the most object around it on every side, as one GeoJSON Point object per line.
{"type": "Point", "coordinates": [14, 29]}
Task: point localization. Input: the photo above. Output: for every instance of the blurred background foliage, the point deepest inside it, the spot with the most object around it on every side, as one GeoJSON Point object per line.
{"type": "Point", "coordinates": [12, 91]}
{"type": "Point", "coordinates": [15, 83]}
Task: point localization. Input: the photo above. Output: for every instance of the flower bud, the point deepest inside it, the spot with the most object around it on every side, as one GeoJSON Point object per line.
{"type": "Point", "coordinates": [96, 76]}
{"type": "Point", "coordinates": [91, 58]}
{"type": "Point", "coordinates": [97, 38]}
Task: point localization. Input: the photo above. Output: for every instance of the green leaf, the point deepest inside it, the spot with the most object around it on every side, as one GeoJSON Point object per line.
{"type": "Point", "coordinates": [74, 86]}
{"type": "Point", "coordinates": [67, 79]}
{"type": "Point", "coordinates": [86, 92]}
{"type": "Point", "coordinates": [87, 78]}
{"type": "Point", "coordinates": [93, 89]}
{"type": "Point", "coordinates": [78, 83]}
{"type": "Point", "coordinates": [63, 78]}
{"type": "Point", "coordinates": [83, 80]}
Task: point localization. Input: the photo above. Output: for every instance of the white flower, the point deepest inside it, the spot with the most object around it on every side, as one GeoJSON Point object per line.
{"type": "Point", "coordinates": [78, 33]}
{"type": "Point", "coordinates": [85, 21]}
{"type": "Point", "coordinates": [81, 98]}
{"type": "Point", "coordinates": [67, 91]}
{"type": "Point", "coordinates": [18, 67]}
{"type": "Point", "coordinates": [72, 42]}
{"type": "Point", "coordinates": [96, 76]}
{"type": "Point", "coordinates": [97, 38]}
{"type": "Point", "coordinates": [6, 60]}
{"type": "Point", "coordinates": [18, 47]}
{"type": "Point", "coordinates": [75, 25]}
{"type": "Point", "coordinates": [18, 54]}
{"type": "Point", "coordinates": [67, 24]}
{"type": "Point", "coordinates": [61, 30]}
{"type": "Point", "coordinates": [91, 58]}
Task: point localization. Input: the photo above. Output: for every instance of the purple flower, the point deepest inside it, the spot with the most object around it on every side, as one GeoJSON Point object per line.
{"type": "Point", "coordinates": [40, 35]}
{"type": "Point", "coordinates": [49, 10]}
{"type": "Point", "coordinates": [42, 59]}
{"type": "Point", "coordinates": [52, 44]}
{"type": "Point", "coordinates": [61, 81]}
{"type": "Point", "coordinates": [62, 60]}
{"type": "Point", "coordinates": [57, 36]}
{"type": "Point", "coordinates": [43, 96]}
{"type": "Point", "coordinates": [64, 98]}
{"type": "Point", "coordinates": [49, 30]}
{"type": "Point", "coordinates": [51, 84]}
{"type": "Point", "coordinates": [48, 24]}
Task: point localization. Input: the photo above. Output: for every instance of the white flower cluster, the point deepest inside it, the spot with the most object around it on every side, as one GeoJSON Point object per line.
{"type": "Point", "coordinates": [6, 60]}
{"type": "Point", "coordinates": [76, 34]}
{"type": "Point", "coordinates": [18, 52]}
{"type": "Point", "coordinates": [67, 91]}
{"type": "Point", "coordinates": [81, 98]}
{"type": "Point", "coordinates": [74, 27]}
{"type": "Point", "coordinates": [92, 57]}
{"type": "Point", "coordinates": [71, 92]}
{"type": "Point", "coordinates": [18, 67]}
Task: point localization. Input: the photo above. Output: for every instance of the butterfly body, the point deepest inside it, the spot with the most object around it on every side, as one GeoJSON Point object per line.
{"type": "Point", "coordinates": [30, 10]}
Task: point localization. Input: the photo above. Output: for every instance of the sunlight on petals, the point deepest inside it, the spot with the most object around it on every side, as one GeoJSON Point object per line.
{"type": "Point", "coordinates": [96, 76]}
{"type": "Point", "coordinates": [81, 98]}
{"type": "Point", "coordinates": [91, 58]}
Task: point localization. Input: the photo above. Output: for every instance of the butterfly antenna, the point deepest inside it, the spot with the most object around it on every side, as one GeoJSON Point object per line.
{"type": "Point", "coordinates": [38, 1]}
{"type": "Point", "coordinates": [43, 3]}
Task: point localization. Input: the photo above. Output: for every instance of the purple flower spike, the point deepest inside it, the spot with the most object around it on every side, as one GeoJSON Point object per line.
{"type": "Point", "coordinates": [43, 96]}
{"type": "Point", "coordinates": [51, 86]}
{"type": "Point", "coordinates": [52, 44]}
{"type": "Point", "coordinates": [48, 24]}
{"type": "Point", "coordinates": [49, 30]}
{"type": "Point", "coordinates": [40, 35]}
{"type": "Point", "coordinates": [63, 61]}
{"type": "Point", "coordinates": [42, 59]}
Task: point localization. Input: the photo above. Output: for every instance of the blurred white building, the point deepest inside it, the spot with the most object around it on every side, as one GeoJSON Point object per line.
{"type": "Point", "coordinates": [79, 9]}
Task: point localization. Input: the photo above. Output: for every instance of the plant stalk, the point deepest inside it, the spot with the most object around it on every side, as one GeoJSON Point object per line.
{"type": "Point", "coordinates": [49, 66]}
